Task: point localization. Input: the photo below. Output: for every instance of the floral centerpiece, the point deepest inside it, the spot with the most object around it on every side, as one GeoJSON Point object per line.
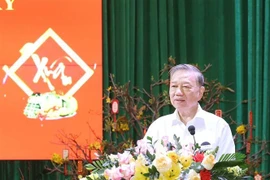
{"type": "Point", "coordinates": [164, 160]}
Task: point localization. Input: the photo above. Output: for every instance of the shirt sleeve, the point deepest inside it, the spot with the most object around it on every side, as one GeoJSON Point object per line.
{"type": "Point", "coordinates": [226, 142]}
{"type": "Point", "coordinates": [152, 132]}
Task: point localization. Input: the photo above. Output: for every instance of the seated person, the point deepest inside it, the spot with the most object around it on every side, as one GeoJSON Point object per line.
{"type": "Point", "coordinates": [186, 90]}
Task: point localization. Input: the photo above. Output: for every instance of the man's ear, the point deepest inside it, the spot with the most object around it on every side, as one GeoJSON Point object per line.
{"type": "Point", "coordinates": [202, 89]}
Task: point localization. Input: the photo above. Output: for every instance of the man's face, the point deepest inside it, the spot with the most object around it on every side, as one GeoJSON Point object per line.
{"type": "Point", "coordinates": [185, 92]}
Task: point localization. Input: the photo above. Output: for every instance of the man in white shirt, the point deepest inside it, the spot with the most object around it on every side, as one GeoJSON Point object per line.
{"type": "Point", "coordinates": [186, 90]}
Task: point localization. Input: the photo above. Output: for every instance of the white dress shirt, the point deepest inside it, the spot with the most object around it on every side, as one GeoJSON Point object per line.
{"type": "Point", "coordinates": [208, 128]}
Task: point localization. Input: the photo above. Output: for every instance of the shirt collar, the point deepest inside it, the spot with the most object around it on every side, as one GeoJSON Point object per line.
{"type": "Point", "coordinates": [198, 121]}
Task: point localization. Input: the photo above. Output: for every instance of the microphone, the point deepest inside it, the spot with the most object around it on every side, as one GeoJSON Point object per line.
{"type": "Point", "coordinates": [205, 143]}
{"type": "Point", "coordinates": [206, 146]}
{"type": "Point", "coordinates": [191, 130]}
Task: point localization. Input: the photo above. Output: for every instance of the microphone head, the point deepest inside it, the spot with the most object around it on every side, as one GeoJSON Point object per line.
{"type": "Point", "coordinates": [205, 143]}
{"type": "Point", "coordinates": [206, 146]}
{"type": "Point", "coordinates": [191, 129]}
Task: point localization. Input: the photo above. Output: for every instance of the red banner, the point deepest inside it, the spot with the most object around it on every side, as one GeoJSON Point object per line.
{"type": "Point", "coordinates": [51, 75]}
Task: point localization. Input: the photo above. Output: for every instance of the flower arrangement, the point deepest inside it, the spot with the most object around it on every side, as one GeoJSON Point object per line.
{"type": "Point", "coordinates": [164, 160]}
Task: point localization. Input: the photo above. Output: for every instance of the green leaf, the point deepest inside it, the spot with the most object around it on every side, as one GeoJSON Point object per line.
{"type": "Point", "coordinates": [150, 156]}
{"type": "Point", "coordinates": [229, 164]}
{"type": "Point", "coordinates": [177, 142]}
{"type": "Point", "coordinates": [196, 166]}
{"type": "Point", "coordinates": [90, 167]}
{"type": "Point", "coordinates": [96, 166]}
{"type": "Point", "coordinates": [232, 156]}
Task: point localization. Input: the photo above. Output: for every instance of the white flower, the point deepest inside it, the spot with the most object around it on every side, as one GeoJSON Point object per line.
{"type": "Point", "coordinates": [210, 151]}
{"type": "Point", "coordinates": [82, 178]}
{"type": "Point", "coordinates": [187, 149]}
{"type": "Point", "coordinates": [162, 162]}
{"type": "Point", "coordinates": [113, 157]}
{"type": "Point", "coordinates": [143, 146]}
{"type": "Point", "coordinates": [192, 175]}
{"type": "Point", "coordinates": [141, 160]}
{"type": "Point", "coordinates": [208, 161]}
{"type": "Point", "coordinates": [93, 176]}
{"type": "Point", "coordinates": [125, 158]}
{"type": "Point", "coordinates": [236, 170]}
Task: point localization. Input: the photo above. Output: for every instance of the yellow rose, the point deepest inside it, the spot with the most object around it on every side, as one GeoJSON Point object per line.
{"type": "Point", "coordinates": [173, 156]}
{"type": "Point", "coordinates": [208, 161]}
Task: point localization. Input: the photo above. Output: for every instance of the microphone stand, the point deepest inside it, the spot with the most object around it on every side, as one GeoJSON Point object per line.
{"type": "Point", "coordinates": [191, 130]}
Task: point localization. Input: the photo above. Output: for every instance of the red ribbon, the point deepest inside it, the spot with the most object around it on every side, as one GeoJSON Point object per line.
{"type": "Point", "coordinates": [90, 158]}
{"type": "Point", "coordinates": [250, 124]}
{"type": "Point", "coordinates": [65, 169]}
{"type": "Point", "coordinates": [80, 167]}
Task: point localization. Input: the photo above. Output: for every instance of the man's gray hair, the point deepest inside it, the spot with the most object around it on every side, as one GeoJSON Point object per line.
{"type": "Point", "coordinates": [188, 67]}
